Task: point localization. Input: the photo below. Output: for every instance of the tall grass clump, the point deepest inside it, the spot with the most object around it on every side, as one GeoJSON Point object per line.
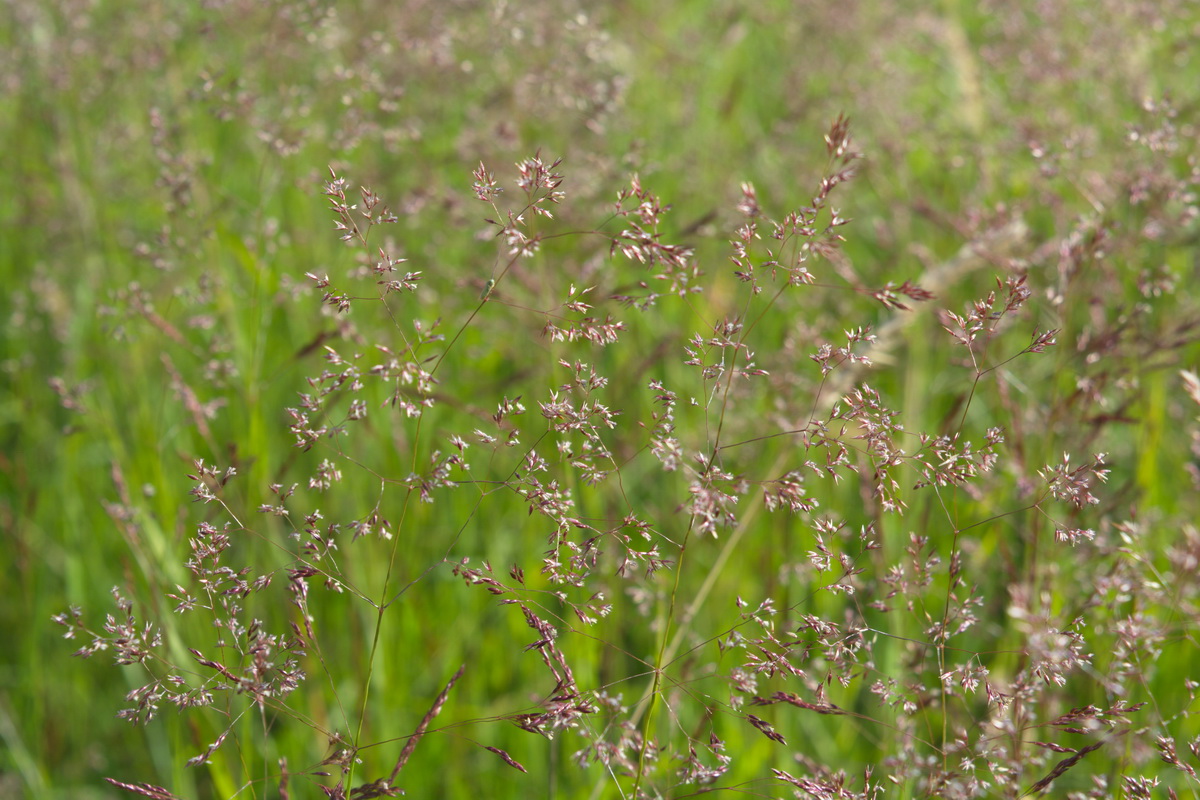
{"type": "Point", "coordinates": [673, 537]}
{"type": "Point", "coordinates": [554, 399]}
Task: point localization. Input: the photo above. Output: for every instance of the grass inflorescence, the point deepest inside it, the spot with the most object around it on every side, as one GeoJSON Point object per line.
{"type": "Point", "coordinates": [512, 399]}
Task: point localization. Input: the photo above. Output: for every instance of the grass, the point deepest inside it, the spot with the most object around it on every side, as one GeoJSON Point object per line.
{"type": "Point", "coordinates": [168, 168]}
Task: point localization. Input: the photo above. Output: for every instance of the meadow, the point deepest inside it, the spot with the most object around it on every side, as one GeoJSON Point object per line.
{"type": "Point", "coordinates": [567, 400]}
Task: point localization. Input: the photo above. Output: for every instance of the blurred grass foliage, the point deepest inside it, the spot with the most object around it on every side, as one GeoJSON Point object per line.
{"type": "Point", "coordinates": [165, 163]}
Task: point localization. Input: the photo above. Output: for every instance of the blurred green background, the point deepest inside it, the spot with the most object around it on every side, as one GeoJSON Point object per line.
{"type": "Point", "coordinates": [164, 166]}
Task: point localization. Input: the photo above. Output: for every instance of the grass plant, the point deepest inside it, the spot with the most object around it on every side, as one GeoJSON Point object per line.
{"type": "Point", "coordinates": [532, 399]}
